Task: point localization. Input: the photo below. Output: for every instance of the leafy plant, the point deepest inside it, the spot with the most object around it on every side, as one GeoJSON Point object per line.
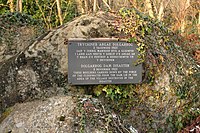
{"type": "Point", "coordinates": [45, 10]}
{"type": "Point", "coordinates": [178, 121]}
{"type": "Point", "coordinates": [10, 22]}
{"type": "Point", "coordinates": [122, 96]}
{"type": "Point", "coordinates": [161, 58]}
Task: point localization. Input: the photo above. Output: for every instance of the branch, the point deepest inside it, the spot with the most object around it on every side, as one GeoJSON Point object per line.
{"type": "Point", "coordinates": [2, 5]}
{"type": "Point", "coordinates": [49, 18]}
{"type": "Point", "coordinates": [43, 15]}
{"type": "Point", "coordinates": [94, 5]}
{"type": "Point", "coordinates": [59, 11]}
{"type": "Point", "coordinates": [106, 4]}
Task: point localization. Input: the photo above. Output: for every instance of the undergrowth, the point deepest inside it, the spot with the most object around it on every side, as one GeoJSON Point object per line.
{"type": "Point", "coordinates": [171, 78]}
{"type": "Point", "coordinates": [10, 23]}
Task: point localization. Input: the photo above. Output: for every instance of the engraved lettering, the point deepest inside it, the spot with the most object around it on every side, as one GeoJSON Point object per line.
{"type": "Point", "coordinates": [103, 62]}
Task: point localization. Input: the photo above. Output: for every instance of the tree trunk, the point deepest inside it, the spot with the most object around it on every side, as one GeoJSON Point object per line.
{"type": "Point", "coordinates": [106, 4]}
{"type": "Point", "coordinates": [59, 12]}
{"type": "Point", "coordinates": [11, 6]}
{"type": "Point", "coordinates": [198, 25]}
{"type": "Point", "coordinates": [148, 8]}
{"type": "Point", "coordinates": [163, 5]}
{"type": "Point", "coordinates": [95, 6]}
{"type": "Point", "coordinates": [19, 6]}
{"type": "Point", "coordinates": [161, 10]}
{"type": "Point", "coordinates": [183, 14]}
{"type": "Point", "coordinates": [86, 6]}
{"type": "Point", "coordinates": [111, 2]}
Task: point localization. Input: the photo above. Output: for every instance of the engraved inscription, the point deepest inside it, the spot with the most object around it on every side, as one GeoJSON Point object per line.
{"type": "Point", "coordinates": [103, 62]}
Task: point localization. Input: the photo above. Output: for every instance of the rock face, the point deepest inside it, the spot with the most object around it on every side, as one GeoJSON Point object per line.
{"type": "Point", "coordinates": [40, 70]}
{"type": "Point", "coordinates": [52, 115]}
{"type": "Point", "coordinates": [61, 114]}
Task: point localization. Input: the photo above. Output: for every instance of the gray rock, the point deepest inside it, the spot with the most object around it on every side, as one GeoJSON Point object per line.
{"type": "Point", "coordinates": [41, 116]}
{"type": "Point", "coordinates": [40, 70]}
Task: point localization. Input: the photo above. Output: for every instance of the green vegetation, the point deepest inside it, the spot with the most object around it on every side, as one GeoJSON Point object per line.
{"type": "Point", "coordinates": [46, 11]}
{"type": "Point", "coordinates": [92, 113]}
{"type": "Point", "coordinates": [43, 10]}
{"type": "Point", "coordinates": [122, 97]}
{"type": "Point", "coordinates": [10, 24]}
{"type": "Point", "coordinates": [161, 57]}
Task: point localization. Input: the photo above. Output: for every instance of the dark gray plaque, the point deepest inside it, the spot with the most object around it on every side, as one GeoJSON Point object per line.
{"type": "Point", "coordinates": [102, 61]}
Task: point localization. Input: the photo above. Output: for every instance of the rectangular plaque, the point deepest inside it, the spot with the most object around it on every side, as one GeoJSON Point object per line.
{"type": "Point", "coordinates": [103, 61]}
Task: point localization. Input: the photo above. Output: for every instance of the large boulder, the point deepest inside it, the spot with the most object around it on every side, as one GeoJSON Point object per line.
{"type": "Point", "coordinates": [52, 115]}
{"type": "Point", "coordinates": [40, 70]}
{"type": "Point", "coordinates": [62, 114]}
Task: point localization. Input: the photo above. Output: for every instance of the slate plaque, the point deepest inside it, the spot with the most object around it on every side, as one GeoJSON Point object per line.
{"type": "Point", "coordinates": [102, 61]}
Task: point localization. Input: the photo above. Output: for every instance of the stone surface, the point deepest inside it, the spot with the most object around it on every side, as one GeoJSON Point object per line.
{"type": "Point", "coordinates": [40, 70]}
{"type": "Point", "coordinates": [61, 114]}
{"type": "Point", "coordinates": [55, 115]}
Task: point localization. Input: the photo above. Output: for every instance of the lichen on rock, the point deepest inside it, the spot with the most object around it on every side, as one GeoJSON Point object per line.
{"type": "Point", "coordinates": [41, 116]}
{"type": "Point", "coordinates": [40, 69]}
